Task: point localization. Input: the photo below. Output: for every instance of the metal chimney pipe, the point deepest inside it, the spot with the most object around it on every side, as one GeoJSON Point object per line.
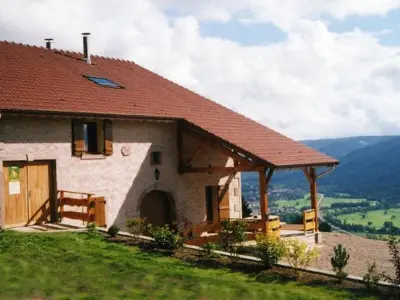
{"type": "Point", "coordinates": [48, 42]}
{"type": "Point", "coordinates": [86, 53]}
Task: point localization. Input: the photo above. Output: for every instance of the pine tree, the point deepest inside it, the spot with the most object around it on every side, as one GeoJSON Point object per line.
{"type": "Point", "coordinates": [339, 261]}
{"type": "Point", "coordinates": [246, 209]}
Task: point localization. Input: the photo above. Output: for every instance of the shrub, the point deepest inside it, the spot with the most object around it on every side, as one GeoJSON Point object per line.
{"type": "Point", "coordinates": [166, 238]}
{"type": "Point", "coordinates": [113, 230]}
{"type": "Point", "coordinates": [233, 233]}
{"type": "Point", "coordinates": [91, 227]}
{"type": "Point", "coordinates": [209, 251]}
{"type": "Point", "coordinates": [270, 249]}
{"type": "Point", "coordinates": [325, 227]}
{"type": "Point", "coordinates": [136, 226]}
{"type": "Point", "coordinates": [394, 249]}
{"type": "Point", "coordinates": [339, 261]}
{"type": "Point", "coordinates": [299, 256]}
{"type": "Point", "coordinates": [372, 277]}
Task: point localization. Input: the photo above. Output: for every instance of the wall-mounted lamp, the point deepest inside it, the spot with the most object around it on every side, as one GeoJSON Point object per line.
{"type": "Point", "coordinates": [157, 174]}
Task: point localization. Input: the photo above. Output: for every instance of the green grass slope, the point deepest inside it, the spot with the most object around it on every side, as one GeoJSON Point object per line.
{"type": "Point", "coordinates": [81, 266]}
{"type": "Point", "coordinates": [376, 217]}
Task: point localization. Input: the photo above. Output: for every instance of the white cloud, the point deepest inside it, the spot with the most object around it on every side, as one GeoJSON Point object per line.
{"type": "Point", "coordinates": [314, 84]}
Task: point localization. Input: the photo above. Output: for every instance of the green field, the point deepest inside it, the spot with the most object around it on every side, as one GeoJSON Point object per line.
{"type": "Point", "coordinates": [377, 217]}
{"type": "Point", "coordinates": [305, 201]}
{"type": "Point", "coordinates": [83, 266]}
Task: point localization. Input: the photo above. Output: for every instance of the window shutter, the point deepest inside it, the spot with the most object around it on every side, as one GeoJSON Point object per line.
{"type": "Point", "coordinates": [78, 144]}
{"type": "Point", "coordinates": [223, 207]}
{"type": "Point", "coordinates": [108, 137]}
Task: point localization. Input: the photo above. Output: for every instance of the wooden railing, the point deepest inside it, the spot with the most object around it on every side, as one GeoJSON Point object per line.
{"type": "Point", "coordinates": [92, 208]}
{"type": "Point", "coordinates": [202, 233]}
{"type": "Point", "coordinates": [309, 221]}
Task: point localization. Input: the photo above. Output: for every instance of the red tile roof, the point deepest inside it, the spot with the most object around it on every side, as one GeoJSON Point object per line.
{"type": "Point", "coordinates": [37, 79]}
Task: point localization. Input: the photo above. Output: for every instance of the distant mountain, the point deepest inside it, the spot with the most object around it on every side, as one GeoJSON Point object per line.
{"type": "Point", "coordinates": [369, 167]}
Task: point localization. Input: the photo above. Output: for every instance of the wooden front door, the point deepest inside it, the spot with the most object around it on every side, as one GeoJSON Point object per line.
{"type": "Point", "coordinates": [27, 188]}
{"type": "Point", "coordinates": [157, 208]}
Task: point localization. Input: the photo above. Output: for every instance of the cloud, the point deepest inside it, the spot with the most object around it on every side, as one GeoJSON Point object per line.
{"type": "Point", "coordinates": [314, 84]}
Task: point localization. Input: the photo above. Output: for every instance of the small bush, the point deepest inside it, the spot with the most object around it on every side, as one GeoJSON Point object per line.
{"type": "Point", "coordinates": [209, 251]}
{"type": "Point", "coordinates": [270, 249]}
{"type": "Point", "coordinates": [113, 230]}
{"type": "Point", "coordinates": [233, 234]}
{"type": "Point", "coordinates": [136, 226]}
{"type": "Point", "coordinates": [166, 238]}
{"type": "Point", "coordinates": [339, 261]}
{"type": "Point", "coordinates": [325, 227]}
{"type": "Point", "coordinates": [91, 227]}
{"type": "Point", "coordinates": [372, 277]}
{"type": "Point", "coordinates": [299, 256]}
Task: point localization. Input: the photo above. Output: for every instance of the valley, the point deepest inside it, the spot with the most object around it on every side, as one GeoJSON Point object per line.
{"type": "Point", "coordinates": [361, 196]}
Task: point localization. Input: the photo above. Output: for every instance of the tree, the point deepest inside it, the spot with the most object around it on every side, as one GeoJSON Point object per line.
{"type": "Point", "coordinates": [246, 209]}
{"type": "Point", "coordinates": [339, 261]}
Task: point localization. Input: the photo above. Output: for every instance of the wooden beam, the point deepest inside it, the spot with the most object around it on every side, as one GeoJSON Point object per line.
{"type": "Point", "coordinates": [307, 174]}
{"type": "Point", "coordinates": [269, 176]}
{"type": "Point", "coordinates": [313, 195]}
{"type": "Point", "coordinates": [179, 146]}
{"type": "Point", "coordinates": [211, 169]}
{"type": "Point", "coordinates": [325, 172]}
{"type": "Point", "coordinates": [194, 156]}
{"type": "Point", "coordinates": [216, 145]}
{"type": "Point", "coordinates": [263, 200]}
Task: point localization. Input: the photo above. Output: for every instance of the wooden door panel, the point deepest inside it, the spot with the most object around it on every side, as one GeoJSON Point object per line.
{"type": "Point", "coordinates": [15, 204]}
{"type": "Point", "coordinates": [223, 195]}
{"type": "Point", "coordinates": [39, 192]}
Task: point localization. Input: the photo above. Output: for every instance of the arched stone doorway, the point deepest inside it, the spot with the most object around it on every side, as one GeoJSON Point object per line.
{"type": "Point", "coordinates": [158, 208]}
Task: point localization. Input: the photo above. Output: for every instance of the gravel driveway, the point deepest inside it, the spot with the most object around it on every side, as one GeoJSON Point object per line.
{"type": "Point", "coordinates": [362, 251]}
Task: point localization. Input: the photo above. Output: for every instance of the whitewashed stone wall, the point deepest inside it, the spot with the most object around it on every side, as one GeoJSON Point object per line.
{"type": "Point", "coordinates": [122, 180]}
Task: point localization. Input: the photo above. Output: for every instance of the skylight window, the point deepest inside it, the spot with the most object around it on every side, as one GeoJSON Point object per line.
{"type": "Point", "coordinates": [103, 81]}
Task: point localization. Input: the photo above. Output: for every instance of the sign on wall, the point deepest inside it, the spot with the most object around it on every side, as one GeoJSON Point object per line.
{"type": "Point", "coordinates": [13, 173]}
{"type": "Point", "coordinates": [14, 185]}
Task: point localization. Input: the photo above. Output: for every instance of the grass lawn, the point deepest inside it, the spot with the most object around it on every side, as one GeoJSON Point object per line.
{"type": "Point", "coordinates": [83, 266]}
{"type": "Point", "coordinates": [377, 217]}
{"type": "Point", "coordinates": [305, 201]}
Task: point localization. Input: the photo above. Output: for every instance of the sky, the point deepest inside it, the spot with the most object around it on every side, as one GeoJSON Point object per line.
{"type": "Point", "coordinates": [307, 68]}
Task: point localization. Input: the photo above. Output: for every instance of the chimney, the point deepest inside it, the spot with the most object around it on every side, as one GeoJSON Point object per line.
{"type": "Point", "coordinates": [48, 42]}
{"type": "Point", "coordinates": [86, 53]}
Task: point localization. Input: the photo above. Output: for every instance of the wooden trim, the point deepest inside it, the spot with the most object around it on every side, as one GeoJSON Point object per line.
{"type": "Point", "coordinates": [78, 193]}
{"type": "Point", "coordinates": [211, 169]}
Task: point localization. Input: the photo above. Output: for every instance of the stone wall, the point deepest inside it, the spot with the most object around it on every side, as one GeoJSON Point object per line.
{"type": "Point", "coordinates": [122, 180]}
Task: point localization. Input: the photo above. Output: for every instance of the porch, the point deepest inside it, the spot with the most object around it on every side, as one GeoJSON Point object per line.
{"type": "Point", "coordinates": [245, 161]}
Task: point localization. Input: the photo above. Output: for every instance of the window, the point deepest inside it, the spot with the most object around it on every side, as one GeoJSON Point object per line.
{"type": "Point", "coordinates": [210, 203]}
{"type": "Point", "coordinates": [155, 158]}
{"type": "Point", "coordinates": [92, 137]}
{"type": "Point", "coordinates": [102, 81]}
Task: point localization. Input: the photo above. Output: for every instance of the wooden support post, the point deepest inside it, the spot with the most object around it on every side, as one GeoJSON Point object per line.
{"type": "Point", "coordinates": [264, 183]}
{"type": "Point", "coordinates": [313, 193]}
{"type": "Point", "coordinates": [263, 200]}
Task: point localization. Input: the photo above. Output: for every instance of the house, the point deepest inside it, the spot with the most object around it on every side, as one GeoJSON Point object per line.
{"type": "Point", "coordinates": [108, 128]}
